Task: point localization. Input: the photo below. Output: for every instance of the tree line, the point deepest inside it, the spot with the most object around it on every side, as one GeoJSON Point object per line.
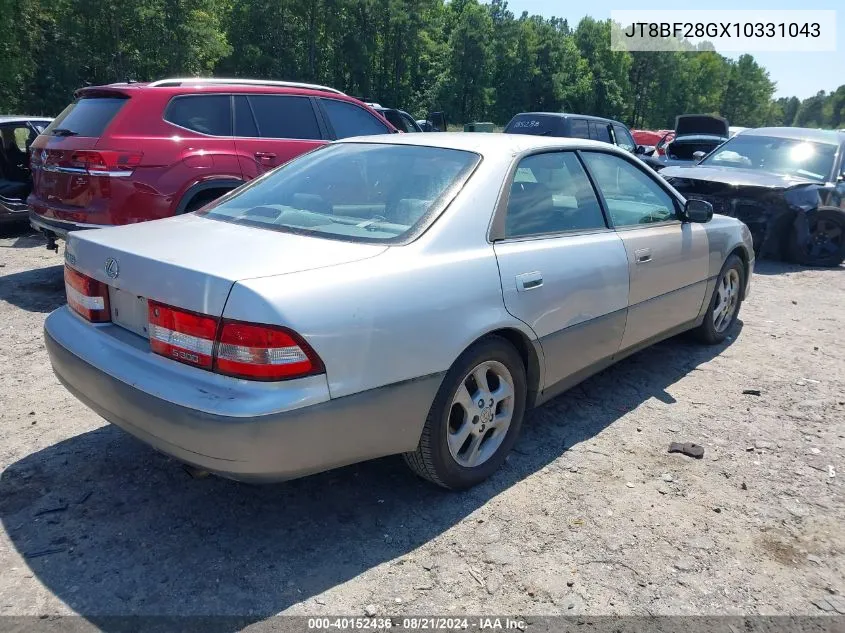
{"type": "Point", "coordinates": [473, 60]}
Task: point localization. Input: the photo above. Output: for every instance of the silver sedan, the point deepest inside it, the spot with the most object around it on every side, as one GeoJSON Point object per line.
{"type": "Point", "coordinates": [406, 294]}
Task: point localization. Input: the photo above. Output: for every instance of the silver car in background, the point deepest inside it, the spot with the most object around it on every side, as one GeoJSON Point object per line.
{"type": "Point", "coordinates": [409, 294]}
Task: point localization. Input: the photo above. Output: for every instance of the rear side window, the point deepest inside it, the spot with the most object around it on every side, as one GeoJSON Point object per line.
{"type": "Point", "coordinates": [244, 121]}
{"type": "Point", "coordinates": [88, 116]}
{"type": "Point", "coordinates": [206, 114]}
{"type": "Point", "coordinates": [285, 117]}
{"type": "Point", "coordinates": [534, 124]}
{"type": "Point", "coordinates": [350, 120]}
{"type": "Point", "coordinates": [578, 128]}
{"type": "Point", "coordinates": [600, 131]}
{"type": "Point", "coordinates": [551, 194]}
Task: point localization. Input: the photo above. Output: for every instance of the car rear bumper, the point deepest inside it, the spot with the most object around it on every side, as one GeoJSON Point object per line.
{"type": "Point", "coordinates": [59, 228]}
{"type": "Point", "coordinates": [279, 438]}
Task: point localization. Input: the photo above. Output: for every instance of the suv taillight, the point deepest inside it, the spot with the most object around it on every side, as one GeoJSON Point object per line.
{"type": "Point", "coordinates": [244, 350]}
{"type": "Point", "coordinates": [106, 162]}
{"type": "Point", "coordinates": [86, 296]}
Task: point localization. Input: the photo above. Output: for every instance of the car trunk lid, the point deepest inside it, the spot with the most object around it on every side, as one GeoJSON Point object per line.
{"type": "Point", "coordinates": [192, 262]}
{"type": "Point", "coordinates": [687, 124]}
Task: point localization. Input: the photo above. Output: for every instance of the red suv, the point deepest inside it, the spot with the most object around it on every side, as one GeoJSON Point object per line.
{"type": "Point", "coordinates": [132, 152]}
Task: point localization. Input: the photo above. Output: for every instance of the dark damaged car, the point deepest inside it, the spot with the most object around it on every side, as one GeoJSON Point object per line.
{"type": "Point", "coordinates": [786, 184]}
{"type": "Point", "coordinates": [695, 136]}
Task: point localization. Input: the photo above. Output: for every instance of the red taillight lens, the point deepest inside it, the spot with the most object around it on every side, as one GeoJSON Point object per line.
{"type": "Point", "coordinates": [87, 296]}
{"type": "Point", "coordinates": [182, 336]}
{"type": "Point", "coordinates": [106, 162]}
{"type": "Point", "coordinates": [264, 352]}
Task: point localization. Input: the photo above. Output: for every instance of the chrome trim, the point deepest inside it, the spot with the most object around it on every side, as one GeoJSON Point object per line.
{"type": "Point", "coordinates": [56, 169]}
{"type": "Point", "coordinates": [178, 81]}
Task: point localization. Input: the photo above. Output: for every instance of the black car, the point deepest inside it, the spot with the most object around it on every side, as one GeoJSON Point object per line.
{"type": "Point", "coordinates": [16, 135]}
{"type": "Point", "coordinates": [401, 120]}
{"type": "Point", "coordinates": [786, 184]}
{"type": "Point", "coordinates": [696, 135]}
{"type": "Point", "coordinates": [573, 126]}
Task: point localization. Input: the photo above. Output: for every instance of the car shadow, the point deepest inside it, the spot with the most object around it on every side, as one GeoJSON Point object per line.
{"type": "Point", "coordinates": [112, 528]}
{"type": "Point", "coordinates": [24, 235]}
{"type": "Point", "coordinates": [775, 267]}
{"type": "Point", "coordinates": [36, 290]}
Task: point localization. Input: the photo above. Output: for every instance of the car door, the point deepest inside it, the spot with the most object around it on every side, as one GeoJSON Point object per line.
{"type": "Point", "coordinates": [15, 176]}
{"type": "Point", "coordinates": [563, 271]}
{"type": "Point", "coordinates": [272, 129]}
{"type": "Point", "coordinates": [668, 260]}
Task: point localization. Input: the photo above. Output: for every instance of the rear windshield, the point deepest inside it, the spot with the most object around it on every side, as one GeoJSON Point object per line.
{"type": "Point", "coordinates": [535, 124]}
{"type": "Point", "coordinates": [87, 116]}
{"type": "Point", "coordinates": [352, 191]}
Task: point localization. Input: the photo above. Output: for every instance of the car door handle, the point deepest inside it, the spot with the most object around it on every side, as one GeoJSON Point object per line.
{"type": "Point", "coordinates": [265, 155]}
{"type": "Point", "coordinates": [529, 281]}
{"type": "Point", "coordinates": [642, 256]}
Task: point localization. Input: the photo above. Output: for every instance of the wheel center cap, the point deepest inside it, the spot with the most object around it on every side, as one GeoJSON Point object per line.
{"type": "Point", "coordinates": [487, 415]}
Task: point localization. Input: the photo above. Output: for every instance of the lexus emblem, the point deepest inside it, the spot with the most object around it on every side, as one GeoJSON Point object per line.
{"type": "Point", "coordinates": [112, 268]}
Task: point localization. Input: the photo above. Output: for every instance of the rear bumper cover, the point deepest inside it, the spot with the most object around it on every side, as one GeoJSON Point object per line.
{"type": "Point", "coordinates": [264, 446]}
{"type": "Point", "coordinates": [60, 228]}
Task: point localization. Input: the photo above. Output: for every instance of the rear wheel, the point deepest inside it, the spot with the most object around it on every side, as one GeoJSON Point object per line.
{"type": "Point", "coordinates": [475, 418]}
{"type": "Point", "coordinates": [203, 198]}
{"type": "Point", "coordinates": [723, 310]}
{"type": "Point", "coordinates": [826, 243]}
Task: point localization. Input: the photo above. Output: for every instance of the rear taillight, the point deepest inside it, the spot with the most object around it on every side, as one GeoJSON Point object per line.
{"type": "Point", "coordinates": [106, 162]}
{"type": "Point", "coordinates": [233, 348]}
{"type": "Point", "coordinates": [87, 296]}
{"type": "Point", "coordinates": [263, 352]}
{"type": "Point", "coordinates": [181, 335]}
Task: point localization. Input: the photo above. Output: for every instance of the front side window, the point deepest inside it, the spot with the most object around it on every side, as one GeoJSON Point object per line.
{"type": "Point", "coordinates": [370, 192]}
{"type": "Point", "coordinates": [791, 157]}
{"type": "Point", "coordinates": [206, 114]}
{"type": "Point", "coordinates": [624, 138]}
{"type": "Point", "coordinates": [632, 197]}
{"type": "Point", "coordinates": [348, 119]}
{"type": "Point", "coordinates": [551, 194]}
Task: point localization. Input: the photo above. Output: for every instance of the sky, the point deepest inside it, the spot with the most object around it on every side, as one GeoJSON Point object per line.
{"type": "Point", "coordinates": [796, 74]}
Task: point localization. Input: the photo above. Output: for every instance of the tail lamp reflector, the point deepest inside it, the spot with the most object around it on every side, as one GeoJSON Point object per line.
{"type": "Point", "coordinates": [86, 296]}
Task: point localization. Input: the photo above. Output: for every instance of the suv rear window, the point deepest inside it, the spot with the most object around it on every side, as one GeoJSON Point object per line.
{"type": "Point", "coordinates": [206, 114]}
{"type": "Point", "coordinates": [88, 116]}
{"type": "Point", "coordinates": [535, 124]}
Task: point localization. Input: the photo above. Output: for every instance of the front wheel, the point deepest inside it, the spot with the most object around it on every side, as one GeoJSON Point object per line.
{"type": "Point", "coordinates": [475, 418]}
{"type": "Point", "coordinates": [723, 310]}
{"type": "Point", "coordinates": [825, 245]}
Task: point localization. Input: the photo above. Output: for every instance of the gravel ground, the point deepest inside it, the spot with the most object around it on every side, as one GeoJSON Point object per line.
{"type": "Point", "coordinates": [589, 516]}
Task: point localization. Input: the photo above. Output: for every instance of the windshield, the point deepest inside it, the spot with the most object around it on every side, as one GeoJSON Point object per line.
{"type": "Point", "coordinates": [787, 156]}
{"type": "Point", "coordinates": [356, 191]}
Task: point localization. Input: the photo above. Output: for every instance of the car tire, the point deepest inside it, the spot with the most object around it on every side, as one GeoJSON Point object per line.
{"type": "Point", "coordinates": [720, 318]}
{"type": "Point", "coordinates": [463, 443]}
{"type": "Point", "coordinates": [826, 246]}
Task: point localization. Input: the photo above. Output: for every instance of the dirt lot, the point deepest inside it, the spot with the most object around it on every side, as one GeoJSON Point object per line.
{"type": "Point", "coordinates": [589, 516]}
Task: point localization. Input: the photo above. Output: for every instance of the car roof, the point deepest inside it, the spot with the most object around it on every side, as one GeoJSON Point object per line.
{"type": "Point", "coordinates": [571, 115]}
{"type": "Point", "coordinates": [484, 143]}
{"type": "Point", "coordinates": [20, 118]}
{"type": "Point", "coordinates": [798, 133]}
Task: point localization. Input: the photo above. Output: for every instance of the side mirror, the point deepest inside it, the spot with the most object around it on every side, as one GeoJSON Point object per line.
{"type": "Point", "coordinates": [639, 149]}
{"type": "Point", "coordinates": [697, 156]}
{"type": "Point", "coordinates": [697, 211]}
